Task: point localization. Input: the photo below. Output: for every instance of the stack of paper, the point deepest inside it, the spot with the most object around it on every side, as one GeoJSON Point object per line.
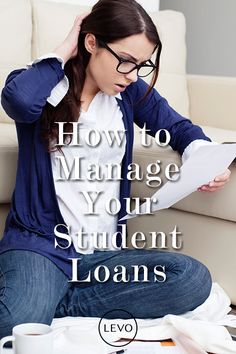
{"type": "Point", "coordinates": [181, 345]}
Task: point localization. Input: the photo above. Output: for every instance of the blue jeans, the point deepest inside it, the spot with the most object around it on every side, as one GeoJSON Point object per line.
{"type": "Point", "coordinates": [34, 289]}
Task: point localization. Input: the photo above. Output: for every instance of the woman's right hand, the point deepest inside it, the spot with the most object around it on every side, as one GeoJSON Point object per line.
{"type": "Point", "coordinates": [69, 47]}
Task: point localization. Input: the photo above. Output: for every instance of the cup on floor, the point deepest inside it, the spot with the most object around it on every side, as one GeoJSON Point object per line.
{"type": "Point", "coordinates": [28, 338]}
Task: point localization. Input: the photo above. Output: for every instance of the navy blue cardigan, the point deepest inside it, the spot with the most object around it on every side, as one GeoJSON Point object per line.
{"type": "Point", "coordinates": [34, 209]}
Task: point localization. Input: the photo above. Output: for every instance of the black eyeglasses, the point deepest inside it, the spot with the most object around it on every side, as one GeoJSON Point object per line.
{"type": "Point", "coordinates": [126, 66]}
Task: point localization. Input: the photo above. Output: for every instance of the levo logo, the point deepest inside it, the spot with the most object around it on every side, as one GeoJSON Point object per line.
{"type": "Point", "coordinates": [111, 327]}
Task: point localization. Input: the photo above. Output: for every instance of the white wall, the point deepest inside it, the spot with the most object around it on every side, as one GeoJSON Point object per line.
{"type": "Point", "coordinates": [211, 25]}
{"type": "Point", "coordinates": [149, 5]}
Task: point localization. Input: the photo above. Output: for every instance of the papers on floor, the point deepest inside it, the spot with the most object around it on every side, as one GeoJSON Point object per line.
{"type": "Point", "coordinates": [200, 168]}
{"type": "Point", "coordinates": [151, 348]}
{"type": "Point", "coordinates": [155, 347]}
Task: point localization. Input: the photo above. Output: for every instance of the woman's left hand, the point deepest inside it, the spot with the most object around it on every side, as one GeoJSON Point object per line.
{"type": "Point", "coordinates": [218, 183]}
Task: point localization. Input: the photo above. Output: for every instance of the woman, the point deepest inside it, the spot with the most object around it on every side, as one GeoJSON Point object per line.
{"type": "Point", "coordinates": [102, 57]}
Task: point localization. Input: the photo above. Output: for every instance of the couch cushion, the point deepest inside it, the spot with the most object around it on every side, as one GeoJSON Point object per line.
{"type": "Point", "coordinates": [219, 135]}
{"type": "Point", "coordinates": [172, 82]}
{"type": "Point", "coordinates": [8, 160]}
{"type": "Point", "coordinates": [221, 204]}
{"type": "Point", "coordinates": [15, 40]}
{"type": "Point", "coordinates": [48, 34]}
{"type": "Point", "coordinates": [212, 100]}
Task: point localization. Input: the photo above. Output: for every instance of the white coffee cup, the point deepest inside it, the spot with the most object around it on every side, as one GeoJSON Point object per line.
{"type": "Point", "coordinates": [30, 338]}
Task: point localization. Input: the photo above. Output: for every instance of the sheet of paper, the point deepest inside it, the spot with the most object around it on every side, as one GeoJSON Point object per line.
{"type": "Point", "coordinates": [200, 168]}
{"type": "Point", "coordinates": [146, 347]}
{"type": "Point", "coordinates": [152, 348]}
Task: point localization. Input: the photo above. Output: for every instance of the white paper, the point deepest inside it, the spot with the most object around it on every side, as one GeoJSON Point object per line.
{"type": "Point", "coordinates": [150, 348]}
{"type": "Point", "coordinates": [200, 168]}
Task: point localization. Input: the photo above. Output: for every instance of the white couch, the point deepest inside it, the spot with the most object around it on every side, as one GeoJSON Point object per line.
{"type": "Point", "coordinates": [207, 221]}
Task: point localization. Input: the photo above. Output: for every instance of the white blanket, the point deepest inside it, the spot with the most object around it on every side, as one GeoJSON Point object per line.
{"type": "Point", "coordinates": [204, 326]}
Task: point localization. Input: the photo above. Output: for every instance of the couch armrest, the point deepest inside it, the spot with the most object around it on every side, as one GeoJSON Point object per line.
{"type": "Point", "coordinates": [213, 100]}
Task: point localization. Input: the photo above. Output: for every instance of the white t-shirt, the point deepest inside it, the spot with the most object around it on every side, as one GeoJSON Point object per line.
{"type": "Point", "coordinates": [103, 115]}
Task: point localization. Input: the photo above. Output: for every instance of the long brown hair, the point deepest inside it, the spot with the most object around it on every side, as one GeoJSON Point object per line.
{"type": "Point", "coordinates": [111, 20]}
